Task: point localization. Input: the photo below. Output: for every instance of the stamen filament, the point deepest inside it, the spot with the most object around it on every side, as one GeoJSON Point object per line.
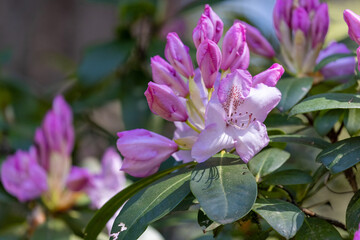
{"type": "Point", "coordinates": [192, 126]}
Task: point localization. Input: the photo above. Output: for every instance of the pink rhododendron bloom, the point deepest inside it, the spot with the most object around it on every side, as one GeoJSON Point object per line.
{"type": "Point", "coordinates": [163, 102]}
{"type": "Point", "coordinates": [144, 151]}
{"type": "Point", "coordinates": [234, 117]}
{"type": "Point", "coordinates": [357, 234]}
{"type": "Point", "coordinates": [22, 176]}
{"type": "Point", "coordinates": [339, 67]}
{"type": "Point", "coordinates": [164, 73]}
{"type": "Point", "coordinates": [353, 22]}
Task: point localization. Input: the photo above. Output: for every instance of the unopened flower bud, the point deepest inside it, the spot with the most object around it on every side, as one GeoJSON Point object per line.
{"type": "Point", "coordinates": [300, 20]}
{"type": "Point", "coordinates": [208, 56]}
{"type": "Point", "coordinates": [217, 23]}
{"type": "Point", "coordinates": [233, 45]}
{"type": "Point", "coordinates": [144, 151]}
{"type": "Point", "coordinates": [257, 43]}
{"type": "Point", "coordinates": [203, 30]}
{"type": "Point", "coordinates": [270, 76]}
{"type": "Point", "coordinates": [164, 73]}
{"type": "Point", "coordinates": [358, 57]}
{"type": "Point", "coordinates": [282, 13]}
{"type": "Point", "coordinates": [339, 67]}
{"type": "Point", "coordinates": [22, 176]}
{"type": "Point", "coordinates": [320, 25]}
{"type": "Point", "coordinates": [242, 60]}
{"type": "Point", "coordinates": [163, 102]}
{"type": "Point", "coordinates": [353, 22]}
{"type": "Point", "coordinates": [309, 5]}
{"type": "Point", "coordinates": [178, 55]}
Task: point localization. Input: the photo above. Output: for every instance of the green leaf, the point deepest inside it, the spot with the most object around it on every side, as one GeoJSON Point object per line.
{"type": "Point", "coordinates": [283, 217]}
{"type": "Point", "coordinates": [225, 188]}
{"type": "Point", "coordinates": [288, 177]}
{"type": "Point", "coordinates": [102, 60]}
{"type": "Point", "coordinates": [292, 91]}
{"type": "Point", "coordinates": [315, 229]}
{"type": "Point", "coordinates": [151, 204]}
{"type": "Point", "coordinates": [332, 58]}
{"type": "Point", "coordinates": [353, 213]}
{"type": "Point", "coordinates": [277, 120]}
{"type": "Point", "coordinates": [310, 141]}
{"type": "Point", "coordinates": [352, 122]}
{"type": "Point", "coordinates": [326, 121]}
{"type": "Point", "coordinates": [267, 161]}
{"type": "Point", "coordinates": [327, 101]}
{"type": "Point", "coordinates": [103, 215]}
{"type": "Point", "coordinates": [341, 155]}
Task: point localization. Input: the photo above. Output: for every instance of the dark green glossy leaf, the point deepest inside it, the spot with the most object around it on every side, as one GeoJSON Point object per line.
{"type": "Point", "coordinates": [310, 141]}
{"type": "Point", "coordinates": [225, 189]}
{"type": "Point", "coordinates": [327, 101]}
{"type": "Point", "coordinates": [150, 204]}
{"type": "Point", "coordinates": [352, 121]}
{"type": "Point", "coordinates": [353, 213]}
{"type": "Point", "coordinates": [276, 120]}
{"type": "Point", "coordinates": [267, 161]}
{"type": "Point", "coordinates": [341, 155]}
{"type": "Point", "coordinates": [316, 229]}
{"type": "Point", "coordinates": [283, 217]}
{"type": "Point", "coordinates": [326, 121]}
{"type": "Point", "coordinates": [103, 215]}
{"type": "Point", "coordinates": [332, 58]}
{"type": "Point", "coordinates": [102, 60]}
{"type": "Point", "coordinates": [292, 91]}
{"type": "Point", "coordinates": [288, 177]}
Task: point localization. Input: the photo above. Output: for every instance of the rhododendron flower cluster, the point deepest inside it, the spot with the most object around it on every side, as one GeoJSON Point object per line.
{"type": "Point", "coordinates": [217, 106]}
{"type": "Point", "coordinates": [301, 27]}
{"type": "Point", "coordinates": [45, 170]}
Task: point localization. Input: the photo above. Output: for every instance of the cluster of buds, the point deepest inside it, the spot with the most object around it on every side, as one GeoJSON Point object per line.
{"type": "Point", "coordinates": [217, 106]}
{"type": "Point", "coordinates": [353, 22]}
{"type": "Point", "coordinates": [301, 27]}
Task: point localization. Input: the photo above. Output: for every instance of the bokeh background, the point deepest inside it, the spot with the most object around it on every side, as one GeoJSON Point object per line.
{"type": "Point", "coordinates": [97, 54]}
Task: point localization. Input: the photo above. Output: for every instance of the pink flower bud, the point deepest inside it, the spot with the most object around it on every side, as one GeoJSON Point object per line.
{"type": "Point", "coordinates": [217, 23]}
{"type": "Point", "coordinates": [203, 30]}
{"type": "Point", "coordinates": [241, 61]}
{"type": "Point", "coordinates": [208, 56]}
{"type": "Point", "coordinates": [233, 45]}
{"type": "Point", "coordinates": [309, 5]}
{"type": "Point", "coordinates": [353, 22]}
{"type": "Point", "coordinates": [163, 102]}
{"type": "Point", "coordinates": [164, 73]}
{"type": "Point", "coordinates": [300, 20]}
{"type": "Point", "coordinates": [339, 67]}
{"type": "Point", "coordinates": [56, 133]}
{"type": "Point", "coordinates": [22, 176]}
{"type": "Point", "coordinates": [257, 42]}
{"type": "Point", "coordinates": [282, 13]}
{"type": "Point", "coordinates": [270, 76]}
{"type": "Point", "coordinates": [178, 55]}
{"type": "Point", "coordinates": [144, 151]}
{"type": "Point", "coordinates": [320, 25]}
{"type": "Point", "coordinates": [78, 179]}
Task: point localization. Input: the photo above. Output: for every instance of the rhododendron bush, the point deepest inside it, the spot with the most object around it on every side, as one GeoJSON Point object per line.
{"type": "Point", "coordinates": [257, 139]}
